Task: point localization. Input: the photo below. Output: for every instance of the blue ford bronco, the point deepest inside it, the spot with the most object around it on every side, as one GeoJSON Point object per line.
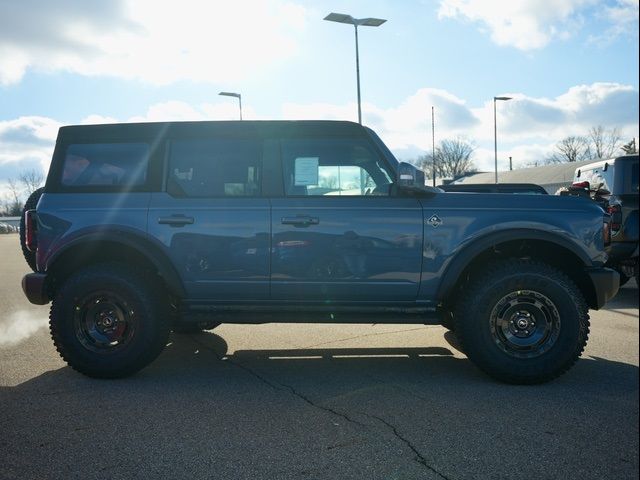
{"type": "Point", "coordinates": [144, 228]}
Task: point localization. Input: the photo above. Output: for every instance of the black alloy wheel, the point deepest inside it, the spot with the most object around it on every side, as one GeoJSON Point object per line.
{"type": "Point", "coordinates": [525, 324]}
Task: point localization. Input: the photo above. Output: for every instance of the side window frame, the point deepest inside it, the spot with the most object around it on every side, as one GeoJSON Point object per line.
{"type": "Point", "coordinates": [166, 167]}
{"type": "Point", "coordinates": [377, 155]}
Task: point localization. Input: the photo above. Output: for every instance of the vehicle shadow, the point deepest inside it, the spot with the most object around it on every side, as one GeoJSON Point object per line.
{"type": "Point", "coordinates": [205, 358]}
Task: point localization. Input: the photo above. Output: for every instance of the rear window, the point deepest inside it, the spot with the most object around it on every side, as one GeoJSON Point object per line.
{"type": "Point", "coordinates": [105, 165]}
{"type": "Point", "coordinates": [200, 168]}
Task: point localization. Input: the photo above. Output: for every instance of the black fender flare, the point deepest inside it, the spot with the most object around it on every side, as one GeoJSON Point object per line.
{"type": "Point", "coordinates": [465, 256]}
{"type": "Point", "coordinates": [142, 244]}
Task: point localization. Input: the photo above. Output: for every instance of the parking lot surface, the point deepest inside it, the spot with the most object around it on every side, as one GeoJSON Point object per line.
{"type": "Point", "coordinates": [281, 401]}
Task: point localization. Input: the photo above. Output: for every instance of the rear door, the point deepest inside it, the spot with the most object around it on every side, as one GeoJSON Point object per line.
{"type": "Point", "coordinates": [211, 217]}
{"type": "Point", "coordinates": [337, 233]}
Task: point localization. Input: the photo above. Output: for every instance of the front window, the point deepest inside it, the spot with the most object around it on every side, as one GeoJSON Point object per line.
{"type": "Point", "coordinates": [336, 167]}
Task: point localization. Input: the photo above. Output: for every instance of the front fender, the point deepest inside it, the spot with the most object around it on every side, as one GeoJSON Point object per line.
{"type": "Point", "coordinates": [474, 247]}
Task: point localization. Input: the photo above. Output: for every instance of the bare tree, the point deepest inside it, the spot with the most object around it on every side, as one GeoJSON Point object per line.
{"type": "Point", "coordinates": [31, 180]}
{"type": "Point", "coordinates": [630, 147]}
{"type": "Point", "coordinates": [573, 148]}
{"type": "Point", "coordinates": [604, 143]}
{"type": "Point", "coordinates": [425, 163]}
{"type": "Point", "coordinates": [13, 203]}
{"type": "Point", "coordinates": [454, 157]}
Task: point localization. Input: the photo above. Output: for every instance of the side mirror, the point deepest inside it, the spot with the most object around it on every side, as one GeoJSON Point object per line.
{"type": "Point", "coordinates": [410, 176]}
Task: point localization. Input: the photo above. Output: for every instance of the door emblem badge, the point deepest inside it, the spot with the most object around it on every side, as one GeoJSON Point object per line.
{"type": "Point", "coordinates": [435, 221]}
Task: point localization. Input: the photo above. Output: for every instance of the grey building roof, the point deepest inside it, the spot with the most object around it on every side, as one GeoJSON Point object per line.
{"type": "Point", "coordinates": [551, 177]}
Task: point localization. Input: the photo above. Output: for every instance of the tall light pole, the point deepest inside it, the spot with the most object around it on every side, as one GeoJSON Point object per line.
{"type": "Point", "coordinates": [495, 131]}
{"type": "Point", "coordinates": [433, 145]}
{"type": "Point", "coordinates": [356, 22]}
{"type": "Point", "coordinates": [237, 95]}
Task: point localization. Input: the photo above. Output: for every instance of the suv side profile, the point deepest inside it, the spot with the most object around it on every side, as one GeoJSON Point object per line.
{"type": "Point", "coordinates": [142, 228]}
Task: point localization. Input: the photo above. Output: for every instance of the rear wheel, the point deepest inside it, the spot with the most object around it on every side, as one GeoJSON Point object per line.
{"type": "Point", "coordinates": [105, 322]}
{"type": "Point", "coordinates": [30, 204]}
{"type": "Point", "coordinates": [522, 322]}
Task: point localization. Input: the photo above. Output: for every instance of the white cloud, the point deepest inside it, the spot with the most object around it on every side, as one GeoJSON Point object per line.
{"type": "Point", "coordinates": [407, 125]}
{"type": "Point", "coordinates": [523, 24]}
{"type": "Point", "coordinates": [27, 141]}
{"type": "Point", "coordinates": [623, 18]}
{"type": "Point", "coordinates": [527, 126]}
{"type": "Point", "coordinates": [157, 42]}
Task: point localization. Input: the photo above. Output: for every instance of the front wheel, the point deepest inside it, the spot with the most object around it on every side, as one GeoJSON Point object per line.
{"type": "Point", "coordinates": [522, 322]}
{"type": "Point", "coordinates": [106, 322]}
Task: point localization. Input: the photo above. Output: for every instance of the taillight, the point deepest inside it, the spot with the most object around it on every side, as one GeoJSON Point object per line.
{"type": "Point", "coordinates": [584, 185]}
{"type": "Point", "coordinates": [616, 218]}
{"type": "Point", "coordinates": [30, 232]}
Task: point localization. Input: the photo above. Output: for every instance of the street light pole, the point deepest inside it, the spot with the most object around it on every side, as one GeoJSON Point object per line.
{"type": "Point", "coordinates": [433, 145]}
{"type": "Point", "coordinates": [355, 26]}
{"type": "Point", "coordinates": [356, 22]}
{"type": "Point", "coordinates": [237, 95]}
{"type": "Point", "coordinates": [495, 133]}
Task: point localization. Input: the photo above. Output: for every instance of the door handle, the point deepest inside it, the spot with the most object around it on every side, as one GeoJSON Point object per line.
{"type": "Point", "coordinates": [300, 221]}
{"type": "Point", "coordinates": [176, 220]}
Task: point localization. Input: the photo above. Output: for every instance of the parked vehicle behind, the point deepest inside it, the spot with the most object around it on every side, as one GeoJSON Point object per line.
{"type": "Point", "coordinates": [142, 228]}
{"type": "Point", "coordinates": [613, 184]}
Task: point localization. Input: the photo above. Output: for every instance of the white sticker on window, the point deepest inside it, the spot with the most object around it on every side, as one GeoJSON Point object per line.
{"type": "Point", "coordinates": [306, 171]}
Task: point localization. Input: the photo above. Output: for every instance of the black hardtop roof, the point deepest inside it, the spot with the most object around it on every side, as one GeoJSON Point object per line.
{"type": "Point", "coordinates": [244, 127]}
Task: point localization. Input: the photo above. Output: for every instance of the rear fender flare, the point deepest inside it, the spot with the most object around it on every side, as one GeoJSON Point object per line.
{"type": "Point", "coordinates": [145, 247]}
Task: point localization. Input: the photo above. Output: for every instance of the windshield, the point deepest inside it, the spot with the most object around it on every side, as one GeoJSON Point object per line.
{"type": "Point", "coordinates": [385, 150]}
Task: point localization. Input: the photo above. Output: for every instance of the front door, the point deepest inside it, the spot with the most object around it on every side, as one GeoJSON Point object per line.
{"type": "Point", "coordinates": [337, 233]}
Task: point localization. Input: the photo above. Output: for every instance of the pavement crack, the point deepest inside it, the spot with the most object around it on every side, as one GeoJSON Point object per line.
{"type": "Point", "coordinates": [279, 386]}
{"type": "Point", "coordinates": [419, 458]}
{"type": "Point", "coordinates": [321, 407]}
{"type": "Point", "coordinates": [363, 336]}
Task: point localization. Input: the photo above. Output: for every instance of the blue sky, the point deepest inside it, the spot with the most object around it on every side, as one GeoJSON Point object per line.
{"type": "Point", "coordinates": [568, 64]}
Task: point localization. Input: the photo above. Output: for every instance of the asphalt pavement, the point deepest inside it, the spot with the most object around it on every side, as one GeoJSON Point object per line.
{"type": "Point", "coordinates": [316, 401]}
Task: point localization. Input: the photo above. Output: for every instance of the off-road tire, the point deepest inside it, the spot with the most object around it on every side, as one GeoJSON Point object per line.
{"type": "Point", "coordinates": [448, 321]}
{"type": "Point", "coordinates": [110, 287]}
{"type": "Point", "coordinates": [30, 204]}
{"type": "Point", "coordinates": [511, 289]}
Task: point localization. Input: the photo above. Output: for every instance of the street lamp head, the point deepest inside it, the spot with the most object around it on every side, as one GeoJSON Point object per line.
{"type": "Point", "coordinates": [230, 94]}
{"type": "Point", "coordinates": [343, 18]}
{"type": "Point", "coordinates": [502, 98]}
